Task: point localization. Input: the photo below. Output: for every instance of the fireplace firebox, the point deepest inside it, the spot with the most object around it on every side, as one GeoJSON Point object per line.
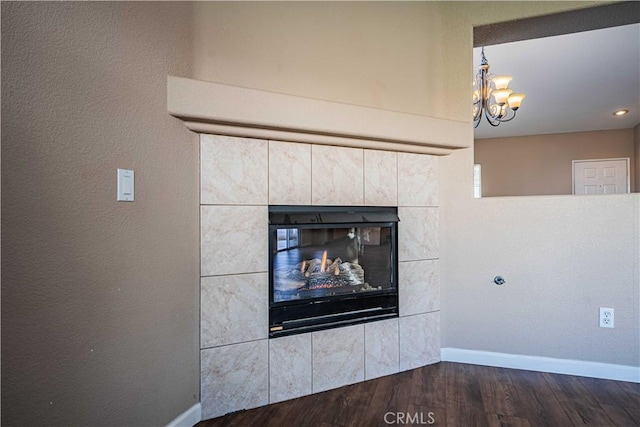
{"type": "Point", "coordinates": [331, 266]}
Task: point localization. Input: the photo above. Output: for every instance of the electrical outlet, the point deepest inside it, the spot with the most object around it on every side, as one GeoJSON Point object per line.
{"type": "Point", "coordinates": [606, 317]}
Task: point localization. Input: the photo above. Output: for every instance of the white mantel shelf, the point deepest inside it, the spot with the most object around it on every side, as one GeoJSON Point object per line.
{"type": "Point", "coordinates": [215, 108]}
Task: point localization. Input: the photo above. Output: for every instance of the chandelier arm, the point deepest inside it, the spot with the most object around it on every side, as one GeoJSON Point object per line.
{"type": "Point", "coordinates": [492, 118]}
{"type": "Point", "coordinates": [493, 121]}
{"type": "Point", "coordinates": [510, 118]}
{"type": "Point", "coordinates": [478, 114]}
{"type": "Point", "coordinates": [477, 118]}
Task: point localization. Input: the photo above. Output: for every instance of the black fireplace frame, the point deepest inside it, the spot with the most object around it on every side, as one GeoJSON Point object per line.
{"type": "Point", "coordinates": [326, 312]}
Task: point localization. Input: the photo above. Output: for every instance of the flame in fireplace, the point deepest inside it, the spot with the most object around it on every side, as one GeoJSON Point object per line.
{"type": "Point", "coordinates": [324, 261]}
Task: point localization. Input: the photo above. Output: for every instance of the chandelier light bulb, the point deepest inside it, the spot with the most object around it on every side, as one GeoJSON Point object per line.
{"type": "Point", "coordinates": [502, 95]}
{"type": "Point", "coordinates": [515, 100]}
{"type": "Point", "coordinates": [501, 82]}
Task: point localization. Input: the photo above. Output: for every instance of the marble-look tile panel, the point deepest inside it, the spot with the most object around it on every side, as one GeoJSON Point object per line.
{"type": "Point", "coordinates": [289, 367]}
{"type": "Point", "coordinates": [419, 340]}
{"type": "Point", "coordinates": [289, 173]}
{"type": "Point", "coordinates": [338, 357]}
{"type": "Point", "coordinates": [234, 377]}
{"type": "Point", "coordinates": [233, 171]}
{"type": "Point", "coordinates": [233, 239]}
{"type": "Point", "coordinates": [233, 309]}
{"type": "Point", "coordinates": [419, 287]}
{"type": "Point", "coordinates": [337, 175]}
{"type": "Point", "coordinates": [417, 180]}
{"type": "Point", "coordinates": [380, 178]}
{"type": "Point", "coordinates": [381, 356]}
{"type": "Point", "coordinates": [418, 233]}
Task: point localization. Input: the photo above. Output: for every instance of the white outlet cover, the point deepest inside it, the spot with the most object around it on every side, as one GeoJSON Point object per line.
{"type": "Point", "coordinates": [606, 317]}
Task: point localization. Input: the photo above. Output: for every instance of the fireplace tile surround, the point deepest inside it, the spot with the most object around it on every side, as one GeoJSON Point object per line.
{"type": "Point", "coordinates": [296, 380]}
{"type": "Point", "coordinates": [381, 355]}
{"type": "Point", "coordinates": [337, 357]}
{"type": "Point", "coordinates": [246, 313]}
{"type": "Point", "coordinates": [240, 367]}
{"type": "Point", "coordinates": [337, 176]}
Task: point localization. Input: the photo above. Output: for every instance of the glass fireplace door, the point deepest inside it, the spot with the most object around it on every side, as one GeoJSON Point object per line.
{"type": "Point", "coordinates": [330, 266]}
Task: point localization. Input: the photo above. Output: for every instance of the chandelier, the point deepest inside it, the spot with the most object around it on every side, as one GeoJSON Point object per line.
{"type": "Point", "coordinates": [505, 103]}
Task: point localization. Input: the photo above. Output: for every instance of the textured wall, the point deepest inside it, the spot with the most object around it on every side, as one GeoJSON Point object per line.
{"type": "Point", "coordinates": [99, 298]}
{"type": "Point", "coordinates": [562, 257]}
{"type": "Point", "coordinates": [541, 164]}
{"type": "Point", "coordinates": [377, 54]}
{"type": "Point", "coordinates": [83, 88]}
{"type": "Point", "coordinates": [636, 153]}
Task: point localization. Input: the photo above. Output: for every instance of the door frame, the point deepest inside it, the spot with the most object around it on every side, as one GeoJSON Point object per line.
{"type": "Point", "coordinates": [573, 171]}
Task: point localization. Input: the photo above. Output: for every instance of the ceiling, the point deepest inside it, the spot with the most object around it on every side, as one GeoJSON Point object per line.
{"type": "Point", "coordinates": [572, 82]}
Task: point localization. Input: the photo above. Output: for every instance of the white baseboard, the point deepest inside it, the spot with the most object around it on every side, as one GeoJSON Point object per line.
{"type": "Point", "coordinates": [543, 364]}
{"type": "Point", "coordinates": [188, 418]}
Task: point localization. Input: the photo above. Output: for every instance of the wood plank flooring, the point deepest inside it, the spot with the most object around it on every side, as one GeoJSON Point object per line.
{"type": "Point", "coordinates": [455, 394]}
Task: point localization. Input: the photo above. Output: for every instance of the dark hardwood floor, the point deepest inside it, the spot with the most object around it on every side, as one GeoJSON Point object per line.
{"type": "Point", "coordinates": [455, 394]}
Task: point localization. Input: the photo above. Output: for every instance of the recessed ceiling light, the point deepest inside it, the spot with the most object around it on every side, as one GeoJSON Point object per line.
{"type": "Point", "coordinates": [620, 112]}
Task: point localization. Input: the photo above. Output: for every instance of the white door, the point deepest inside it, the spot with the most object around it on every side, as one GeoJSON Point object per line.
{"type": "Point", "coordinates": [610, 176]}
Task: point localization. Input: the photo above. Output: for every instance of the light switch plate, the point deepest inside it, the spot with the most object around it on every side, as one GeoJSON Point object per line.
{"type": "Point", "coordinates": [125, 185]}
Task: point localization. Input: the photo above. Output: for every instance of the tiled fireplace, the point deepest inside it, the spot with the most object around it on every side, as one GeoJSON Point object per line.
{"type": "Point", "coordinates": [241, 367]}
{"type": "Point", "coordinates": [335, 155]}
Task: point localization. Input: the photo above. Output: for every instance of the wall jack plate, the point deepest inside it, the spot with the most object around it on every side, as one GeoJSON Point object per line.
{"type": "Point", "coordinates": [606, 317]}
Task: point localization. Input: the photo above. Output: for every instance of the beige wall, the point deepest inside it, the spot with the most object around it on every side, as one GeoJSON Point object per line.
{"type": "Point", "coordinates": [99, 307]}
{"type": "Point", "coordinates": [99, 298]}
{"type": "Point", "coordinates": [562, 257]}
{"type": "Point", "coordinates": [541, 164]}
{"type": "Point", "coordinates": [380, 54]}
{"type": "Point", "coordinates": [636, 153]}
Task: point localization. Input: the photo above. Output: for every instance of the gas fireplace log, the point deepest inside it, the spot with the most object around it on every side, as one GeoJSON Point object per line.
{"type": "Point", "coordinates": [308, 274]}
